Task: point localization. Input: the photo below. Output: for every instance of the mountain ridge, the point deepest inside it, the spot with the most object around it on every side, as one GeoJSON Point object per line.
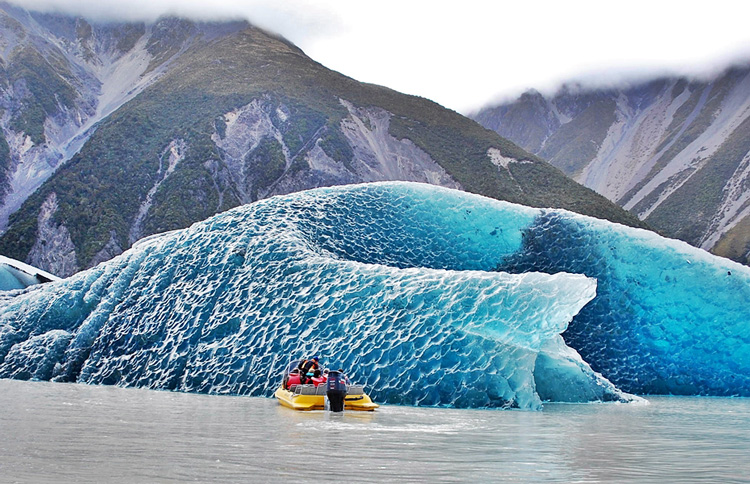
{"type": "Point", "coordinates": [672, 150]}
{"type": "Point", "coordinates": [227, 117]}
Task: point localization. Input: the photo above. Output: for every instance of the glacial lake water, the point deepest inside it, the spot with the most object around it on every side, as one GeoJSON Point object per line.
{"type": "Point", "coordinates": [52, 433]}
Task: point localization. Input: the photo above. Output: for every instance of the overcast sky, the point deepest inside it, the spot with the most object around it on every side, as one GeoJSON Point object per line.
{"type": "Point", "coordinates": [465, 54]}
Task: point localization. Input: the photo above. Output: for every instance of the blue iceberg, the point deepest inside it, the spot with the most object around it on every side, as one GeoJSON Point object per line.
{"type": "Point", "coordinates": [668, 318]}
{"type": "Point", "coordinates": [221, 306]}
{"type": "Point", "coordinates": [17, 275]}
{"type": "Point", "coordinates": [429, 296]}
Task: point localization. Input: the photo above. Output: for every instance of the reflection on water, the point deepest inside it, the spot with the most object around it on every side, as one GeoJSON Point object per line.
{"type": "Point", "coordinates": [77, 433]}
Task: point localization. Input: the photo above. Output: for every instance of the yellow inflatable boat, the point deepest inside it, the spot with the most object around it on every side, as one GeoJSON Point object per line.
{"type": "Point", "coordinates": [335, 393]}
{"type": "Point", "coordinates": [310, 397]}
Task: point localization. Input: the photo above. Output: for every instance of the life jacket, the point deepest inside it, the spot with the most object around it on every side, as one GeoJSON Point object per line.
{"type": "Point", "coordinates": [293, 380]}
{"type": "Point", "coordinates": [307, 366]}
{"type": "Point", "coordinates": [319, 380]}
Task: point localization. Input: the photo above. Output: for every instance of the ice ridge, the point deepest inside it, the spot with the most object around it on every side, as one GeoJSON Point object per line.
{"type": "Point", "coordinates": [430, 296]}
{"type": "Point", "coordinates": [395, 282]}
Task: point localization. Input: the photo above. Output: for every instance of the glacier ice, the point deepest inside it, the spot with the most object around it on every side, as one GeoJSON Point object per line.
{"type": "Point", "coordinates": [386, 280]}
{"type": "Point", "coordinates": [17, 275]}
{"type": "Point", "coordinates": [667, 319]}
{"type": "Point", "coordinates": [430, 296]}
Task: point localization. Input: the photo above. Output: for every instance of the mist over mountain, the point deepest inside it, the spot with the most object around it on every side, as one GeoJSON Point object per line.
{"type": "Point", "coordinates": [115, 131]}
{"type": "Point", "coordinates": [675, 151]}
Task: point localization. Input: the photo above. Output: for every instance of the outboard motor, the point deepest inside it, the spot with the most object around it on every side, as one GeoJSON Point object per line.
{"type": "Point", "coordinates": [335, 391]}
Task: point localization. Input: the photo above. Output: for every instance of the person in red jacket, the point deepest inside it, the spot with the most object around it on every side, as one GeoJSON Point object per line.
{"type": "Point", "coordinates": [318, 378]}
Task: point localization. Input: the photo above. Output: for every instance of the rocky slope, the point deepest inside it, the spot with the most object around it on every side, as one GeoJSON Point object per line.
{"type": "Point", "coordinates": [112, 132]}
{"type": "Point", "coordinates": [674, 151]}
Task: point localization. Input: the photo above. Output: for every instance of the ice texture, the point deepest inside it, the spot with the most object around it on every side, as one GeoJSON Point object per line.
{"type": "Point", "coordinates": [429, 296]}
{"type": "Point", "coordinates": [668, 318]}
{"type": "Point", "coordinates": [394, 282]}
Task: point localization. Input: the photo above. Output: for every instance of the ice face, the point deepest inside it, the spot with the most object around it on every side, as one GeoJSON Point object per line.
{"type": "Point", "coordinates": [429, 296]}
{"type": "Point", "coordinates": [394, 282]}
{"type": "Point", "coordinates": [17, 275]}
{"type": "Point", "coordinates": [668, 318]}
{"type": "Point", "coordinates": [9, 279]}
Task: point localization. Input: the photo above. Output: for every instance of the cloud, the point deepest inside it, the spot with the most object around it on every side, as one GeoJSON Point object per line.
{"type": "Point", "coordinates": [465, 54]}
{"type": "Point", "coordinates": [297, 20]}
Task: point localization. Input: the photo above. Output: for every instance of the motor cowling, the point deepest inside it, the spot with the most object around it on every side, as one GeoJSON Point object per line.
{"type": "Point", "coordinates": [336, 391]}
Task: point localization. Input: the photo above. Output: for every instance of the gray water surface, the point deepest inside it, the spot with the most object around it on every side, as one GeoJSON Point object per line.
{"type": "Point", "coordinates": [51, 432]}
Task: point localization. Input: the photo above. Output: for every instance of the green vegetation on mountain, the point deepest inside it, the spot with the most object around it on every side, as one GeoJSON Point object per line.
{"type": "Point", "coordinates": [336, 146]}
{"type": "Point", "coordinates": [185, 197]}
{"type": "Point", "coordinates": [687, 213]}
{"type": "Point", "coordinates": [299, 126]}
{"type": "Point", "coordinates": [17, 243]}
{"type": "Point", "coordinates": [47, 86]}
{"type": "Point", "coordinates": [4, 162]}
{"type": "Point", "coordinates": [266, 163]}
{"type": "Point", "coordinates": [735, 243]}
{"type": "Point", "coordinates": [576, 143]}
{"type": "Point", "coordinates": [101, 189]}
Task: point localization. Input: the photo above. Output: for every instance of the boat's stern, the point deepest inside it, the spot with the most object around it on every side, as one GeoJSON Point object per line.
{"type": "Point", "coordinates": [357, 399]}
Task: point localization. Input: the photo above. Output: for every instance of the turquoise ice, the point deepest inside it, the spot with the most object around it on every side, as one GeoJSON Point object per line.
{"type": "Point", "coordinates": [17, 275]}
{"type": "Point", "coordinates": [667, 319]}
{"type": "Point", "coordinates": [429, 296]}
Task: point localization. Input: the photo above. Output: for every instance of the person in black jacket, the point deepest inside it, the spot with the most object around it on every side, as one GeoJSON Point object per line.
{"type": "Point", "coordinates": [308, 366]}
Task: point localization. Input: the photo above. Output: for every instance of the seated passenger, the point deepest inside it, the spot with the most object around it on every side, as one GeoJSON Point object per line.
{"type": "Point", "coordinates": [306, 369]}
{"type": "Point", "coordinates": [318, 378]}
{"type": "Point", "coordinates": [344, 377]}
{"type": "Point", "coordinates": [293, 380]}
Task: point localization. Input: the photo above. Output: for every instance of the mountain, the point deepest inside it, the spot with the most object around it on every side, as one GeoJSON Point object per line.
{"type": "Point", "coordinates": [114, 131]}
{"type": "Point", "coordinates": [674, 151]}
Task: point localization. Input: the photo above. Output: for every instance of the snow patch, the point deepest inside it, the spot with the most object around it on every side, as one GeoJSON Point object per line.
{"type": "Point", "coordinates": [281, 114]}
